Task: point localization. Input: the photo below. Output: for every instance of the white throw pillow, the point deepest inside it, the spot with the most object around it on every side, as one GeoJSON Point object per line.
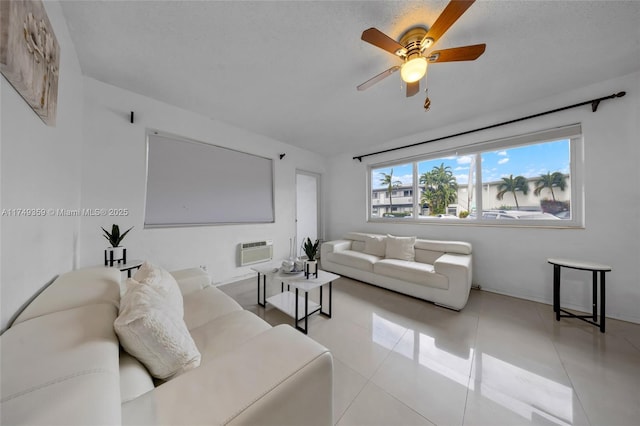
{"type": "Point", "coordinates": [154, 333]}
{"type": "Point", "coordinates": [375, 245]}
{"type": "Point", "coordinates": [400, 248]}
{"type": "Point", "coordinates": [162, 281]}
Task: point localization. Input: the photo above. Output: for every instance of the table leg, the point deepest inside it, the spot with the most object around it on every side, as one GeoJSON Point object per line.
{"type": "Point", "coordinates": [602, 297]}
{"type": "Point", "coordinates": [326, 314]}
{"type": "Point", "coordinates": [595, 296]}
{"type": "Point", "coordinates": [306, 311]}
{"type": "Point", "coordinates": [259, 289]}
{"type": "Point", "coordinates": [295, 318]}
{"type": "Point", "coordinates": [262, 302]}
{"type": "Point", "coordinates": [556, 291]}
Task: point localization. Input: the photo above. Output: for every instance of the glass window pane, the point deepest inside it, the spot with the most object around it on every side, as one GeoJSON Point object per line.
{"type": "Point", "coordinates": [529, 182]}
{"type": "Point", "coordinates": [446, 187]}
{"type": "Point", "coordinates": [392, 192]}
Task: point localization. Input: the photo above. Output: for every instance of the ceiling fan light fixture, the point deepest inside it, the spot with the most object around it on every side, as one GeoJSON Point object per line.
{"type": "Point", "coordinates": [414, 69]}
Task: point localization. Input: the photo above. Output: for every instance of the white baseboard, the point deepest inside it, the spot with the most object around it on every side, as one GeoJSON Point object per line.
{"type": "Point", "coordinates": [235, 279]}
{"type": "Point", "coordinates": [633, 319]}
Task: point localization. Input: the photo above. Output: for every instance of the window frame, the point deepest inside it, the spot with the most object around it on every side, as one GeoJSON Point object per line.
{"type": "Point", "coordinates": [572, 132]}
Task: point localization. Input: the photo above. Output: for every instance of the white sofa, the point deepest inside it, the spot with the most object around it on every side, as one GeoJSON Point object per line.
{"type": "Point", "coordinates": [62, 363]}
{"type": "Point", "coordinates": [440, 272]}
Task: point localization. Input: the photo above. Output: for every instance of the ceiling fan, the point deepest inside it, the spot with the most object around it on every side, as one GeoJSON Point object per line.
{"type": "Point", "coordinates": [414, 48]}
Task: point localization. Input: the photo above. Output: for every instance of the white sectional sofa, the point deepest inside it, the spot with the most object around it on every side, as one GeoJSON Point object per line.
{"type": "Point", "coordinates": [437, 271]}
{"type": "Point", "coordinates": [62, 363]}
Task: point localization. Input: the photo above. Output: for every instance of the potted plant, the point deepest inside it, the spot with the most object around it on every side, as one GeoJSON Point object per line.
{"type": "Point", "coordinates": [311, 250]}
{"type": "Point", "coordinates": [115, 238]}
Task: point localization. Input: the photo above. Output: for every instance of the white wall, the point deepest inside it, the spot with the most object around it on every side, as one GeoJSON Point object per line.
{"type": "Point", "coordinates": [114, 174]}
{"type": "Point", "coordinates": [513, 260]}
{"type": "Point", "coordinates": [40, 169]}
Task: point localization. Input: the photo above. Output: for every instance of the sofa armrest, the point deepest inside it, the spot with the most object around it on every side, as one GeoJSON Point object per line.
{"type": "Point", "coordinates": [457, 268]}
{"type": "Point", "coordinates": [335, 246]}
{"type": "Point", "coordinates": [279, 377]}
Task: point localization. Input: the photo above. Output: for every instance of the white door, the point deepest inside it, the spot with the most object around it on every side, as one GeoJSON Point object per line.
{"type": "Point", "coordinates": [307, 217]}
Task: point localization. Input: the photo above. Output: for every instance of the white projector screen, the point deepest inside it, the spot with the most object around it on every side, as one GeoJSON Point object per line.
{"type": "Point", "coordinates": [194, 183]}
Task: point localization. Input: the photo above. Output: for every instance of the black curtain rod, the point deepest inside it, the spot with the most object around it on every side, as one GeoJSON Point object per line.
{"type": "Point", "coordinates": [594, 107]}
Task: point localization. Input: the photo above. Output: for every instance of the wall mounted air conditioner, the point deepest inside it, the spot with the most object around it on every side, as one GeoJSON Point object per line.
{"type": "Point", "coordinates": [256, 252]}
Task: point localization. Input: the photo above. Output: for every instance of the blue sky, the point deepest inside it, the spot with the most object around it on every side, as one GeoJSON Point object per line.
{"type": "Point", "coordinates": [527, 161]}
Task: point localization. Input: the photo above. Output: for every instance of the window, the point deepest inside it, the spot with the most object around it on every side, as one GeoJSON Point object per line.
{"type": "Point", "coordinates": [526, 180]}
{"type": "Point", "coordinates": [391, 191]}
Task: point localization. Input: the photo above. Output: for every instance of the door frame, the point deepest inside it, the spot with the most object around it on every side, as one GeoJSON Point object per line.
{"type": "Point", "coordinates": [319, 226]}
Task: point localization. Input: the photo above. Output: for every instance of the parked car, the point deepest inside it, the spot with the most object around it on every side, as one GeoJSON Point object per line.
{"type": "Point", "coordinates": [517, 214]}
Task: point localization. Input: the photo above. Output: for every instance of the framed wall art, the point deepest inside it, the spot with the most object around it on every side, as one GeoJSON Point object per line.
{"type": "Point", "coordinates": [30, 55]}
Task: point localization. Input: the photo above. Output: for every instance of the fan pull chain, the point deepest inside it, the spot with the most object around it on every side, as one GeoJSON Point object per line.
{"type": "Point", "coordinates": [427, 101]}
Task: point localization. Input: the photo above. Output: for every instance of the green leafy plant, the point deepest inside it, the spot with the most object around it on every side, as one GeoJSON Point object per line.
{"type": "Point", "coordinates": [464, 214]}
{"type": "Point", "coordinates": [114, 237]}
{"type": "Point", "coordinates": [440, 189]}
{"type": "Point", "coordinates": [513, 184]}
{"type": "Point", "coordinates": [311, 249]}
{"type": "Point", "coordinates": [550, 180]}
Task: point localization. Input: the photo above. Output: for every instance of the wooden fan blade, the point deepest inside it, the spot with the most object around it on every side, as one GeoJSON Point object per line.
{"type": "Point", "coordinates": [377, 78]}
{"type": "Point", "coordinates": [381, 40]}
{"type": "Point", "coordinates": [449, 15]}
{"type": "Point", "coordinates": [464, 53]}
{"type": "Point", "coordinates": [413, 88]}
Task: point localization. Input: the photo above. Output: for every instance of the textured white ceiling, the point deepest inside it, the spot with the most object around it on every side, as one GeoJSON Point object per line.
{"type": "Point", "coordinates": [289, 69]}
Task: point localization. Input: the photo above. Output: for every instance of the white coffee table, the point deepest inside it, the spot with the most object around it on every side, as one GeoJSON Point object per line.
{"type": "Point", "coordinates": [298, 307]}
{"type": "Point", "coordinates": [272, 270]}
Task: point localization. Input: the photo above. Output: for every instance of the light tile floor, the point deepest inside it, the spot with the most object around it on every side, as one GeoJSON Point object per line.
{"type": "Point", "coordinates": [500, 361]}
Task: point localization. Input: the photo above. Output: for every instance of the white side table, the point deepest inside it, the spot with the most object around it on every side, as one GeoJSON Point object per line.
{"type": "Point", "coordinates": [583, 266]}
{"type": "Point", "coordinates": [129, 266]}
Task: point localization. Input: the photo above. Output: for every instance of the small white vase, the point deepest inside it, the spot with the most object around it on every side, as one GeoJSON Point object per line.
{"type": "Point", "coordinates": [310, 268]}
{"type": "Point", "coordinates": [118, 253]}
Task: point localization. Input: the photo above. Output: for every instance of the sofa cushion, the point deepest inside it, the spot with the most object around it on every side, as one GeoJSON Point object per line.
{"type": "Point", "coordinates": [427, 256]}
{"type": "Point", "coordinates": [61, 368]}
{"type": "Point", "coordinates": [400, 248]}
{"type": "Point", "coordinates": [191, 279]}
{"type": "Point", "coordinates": [154, 333]}
{"type": "Point", "coordinates": [163, 282]}
{"type": "Point", "coordinates": [415, 272]}
{"type": "Point", "coordinates": [134, 378]}
{"type": "Point", "coordinates": [280, 377]}
{"type": "Point", "coordinates": [375, 245]}
{"type": "Point", "coordinates": [358, 246]}
{"type": "Point", "coordinates": [458, 247]}
{"type": "Point", "coordinates": [204, 305]}
{"type": "Point", "coordinates": [226, 333]}
{"type": "Point", "coordinates": [74, 289]}
{"type": "Point", "coordinates": [354, 259]}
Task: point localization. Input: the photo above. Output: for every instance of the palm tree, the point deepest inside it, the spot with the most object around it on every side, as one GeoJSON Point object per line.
{"type": "Point", "coordinates": [513, 184]}
{"type": "Point", "coordinates": [550, 180]}
{"type": "Point", "coordinates": [440, 188]}
{"type": "Point", "coordinates": [387, 180]}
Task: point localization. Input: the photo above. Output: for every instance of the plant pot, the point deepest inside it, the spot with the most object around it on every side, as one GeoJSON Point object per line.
{"type": "Point", "coordinates": [115, 255]}
{"type": "Point", "coordinates": [311, 268]}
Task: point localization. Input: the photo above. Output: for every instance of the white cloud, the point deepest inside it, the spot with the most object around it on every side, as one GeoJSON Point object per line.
{"type": "Point", "coordinates": [465, 159]}
{"type": "Point", "coordinates": [406, 179]}
{"type": "Point", "coordinates": [457, 169]}
{"type": "Point", "coordinates": [462, 179]}
{"type": "Point", "coordinates": [503, 160]}
{"type": "Point", "coordinates": [503, 153]}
